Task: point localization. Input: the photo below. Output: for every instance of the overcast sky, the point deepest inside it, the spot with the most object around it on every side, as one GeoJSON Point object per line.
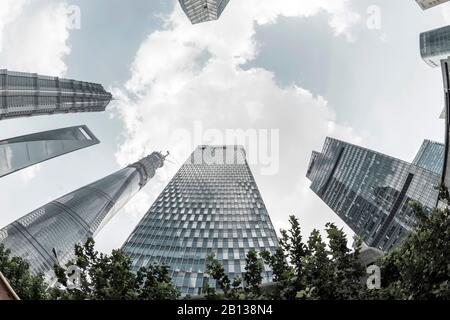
{"type": "Point", "coordinates": [350, 69]}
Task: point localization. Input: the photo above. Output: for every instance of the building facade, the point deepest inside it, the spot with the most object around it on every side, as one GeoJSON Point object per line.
{"type": "Point", "coordinates": [435, 46]}
{"type": "Point", "coordinates": [48, 235]}
{"type": "Point", "coordinates": [431, 156]}
{"type": "Point", "coordinates": [212, 205]}
{"type": "Point", "coordinates": [29, 94]}
{"type": "Point", "coordinates": [427, 4]}
{"type": "Point", "coordinates": [21, 152]}
{"type": "Point", "coordinates": [199, 11]}
{"type": "Point", "coordinates": [371, 192]}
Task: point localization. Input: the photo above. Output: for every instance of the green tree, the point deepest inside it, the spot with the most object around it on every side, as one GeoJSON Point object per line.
{"type": "Point", "coordinates": [253, 273]}
{"type": "Point", "coordinates": [347, 269]}
{"type": "Point", "coordinates": [215, 269]}
{"type": "Point", "coordinates": [319, 268]}
{"type": "Point", "coordinates": [110, 277]}
{"type": "Point", "coordinates": [419, 269]}
{"type": "Point", "coordinates": [16, 270]}
{"type": "Point", "coordinates": [315, 270]}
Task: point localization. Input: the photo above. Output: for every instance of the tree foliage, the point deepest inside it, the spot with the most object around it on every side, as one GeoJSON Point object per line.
{"type": "Point", "coordinates": [318, 269]}
{"type": "Point", "coordinates": [312, 270]}
{"type": "Point", "coordinates": [97, 276]}
{"type": "Point", "coordinates": [16, 270]}
{"type": "Point", "coordinates": [419, 269]}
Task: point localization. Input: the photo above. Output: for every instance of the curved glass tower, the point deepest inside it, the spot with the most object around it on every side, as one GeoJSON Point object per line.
{"type": "Point", "coordinates": [29, 94]}
{"type": "Point", "coordinates": [211, 205]}
{"type": "Point", "coordinates": [48, 235]}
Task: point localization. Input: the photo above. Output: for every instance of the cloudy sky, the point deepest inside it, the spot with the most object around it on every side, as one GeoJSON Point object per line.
{"type": "Point", "coordinates": [350, 69]}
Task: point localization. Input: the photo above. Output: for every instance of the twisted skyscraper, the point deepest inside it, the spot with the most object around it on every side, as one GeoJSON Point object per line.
{"type": "Point", "coordinates": [47, 236]}
{"type": "Point", "coordinates": [30, 94]}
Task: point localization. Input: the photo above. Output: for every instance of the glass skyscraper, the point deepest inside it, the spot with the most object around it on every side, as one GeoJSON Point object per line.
{"type": "Point", "coordinates": [29, 94]}
{"type": "Point", "coordinates": [212, 204]}
{"type": "Point", "coordinates": [435, 46]}
{"type": "Point", "coordinates": [48, 235]}
{"type": "Point", "coordinates": [371, 191]}
{"type": "Point", "coordinates": [427, 4]}
{"type": "Point", "coordinates": [203, 10]}
{"type": "Point", "coordinates": [431, 156]}
{"type": "Point", "coordinates": [21, 152]}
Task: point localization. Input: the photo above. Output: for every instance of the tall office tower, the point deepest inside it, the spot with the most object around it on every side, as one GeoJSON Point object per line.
{"type": "Point", "coordinates": [427, 4]}
{"type": "Point", "coordinates": [48, 235]}
{"type": "Point", "coordinates": [211, 205]}
{"type": "Point", "coordinates": [30, 94]}
{"type": "Point", "coordinates": [200, 11]}
{"type": "Point", "coordinates": [430, 156]}
{"type": "Point", "coordinates": [21, 152]}
{"type": "Point", "coordinates": [370, 191]}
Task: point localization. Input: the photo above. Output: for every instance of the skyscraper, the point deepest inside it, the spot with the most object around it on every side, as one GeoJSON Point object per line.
{"type": "Point", "coordinates": [435, 46]}
{"type": "Point", "coordinates": [203, 10]}
{"type": "Point", "coordinates": [430, 156]}
{"type": "Point", "coordinates": [371, 192]}
{"type": "Point", "coordinates": [48, 235]}
{"type": "Point", "coordinates": [30, 94]}
{"type": "Point", "coordinates": [21, 152]}
{"type": "Point", "coordinates": [212, 204]}
{"type": "Point", "coordinates": [427, 4]}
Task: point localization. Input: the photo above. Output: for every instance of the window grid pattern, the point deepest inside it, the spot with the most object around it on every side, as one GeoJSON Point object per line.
{"type": "Point", "coordinates": [207, 207]}
{"type": "Point", "coordinates": [26, 94]}
{"type": "Point", "coordinates": [366, 188]}
{"type": "Point", "coordinates": [199, 11]}
{"type": "Point", "coordinates": [73, 218]}
{"type": "Point", "coordinates": [435, 46]}
{"type": "Point", "coordinates": [431, 156]}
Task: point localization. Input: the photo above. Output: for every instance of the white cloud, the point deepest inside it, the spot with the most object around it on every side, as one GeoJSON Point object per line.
{"type": "Point", "coordinates": [28, 174]}
{"type": "Point", "coordinates": [445, 9]}
{"type": "Point", "coordinates": [184, 74]}
{"type": "Point", "coordinates": [43, 33]}
{"type": "Point", "coordinates": [9, 11]}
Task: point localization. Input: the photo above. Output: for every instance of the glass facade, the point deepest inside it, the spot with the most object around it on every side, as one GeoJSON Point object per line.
{"type": "Point", "coordinates": [200, 11]}
{"type": "Point", "coordinates": [431, 156]}
{"type": "Point", "coordinates": [48, 235]}
{"type": "Point", "coordinates": [435, 46]}
{"type": "Point", "coordinates": [28, 94]}
{"type": "Point", "coordinates": [21, 152]}
{"type": "Point", "coordinates": [427, 4]}
{"type": "Point", "coordinates": [212, 204]}
{"type": "Point", "coordinates": [370, 191]}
